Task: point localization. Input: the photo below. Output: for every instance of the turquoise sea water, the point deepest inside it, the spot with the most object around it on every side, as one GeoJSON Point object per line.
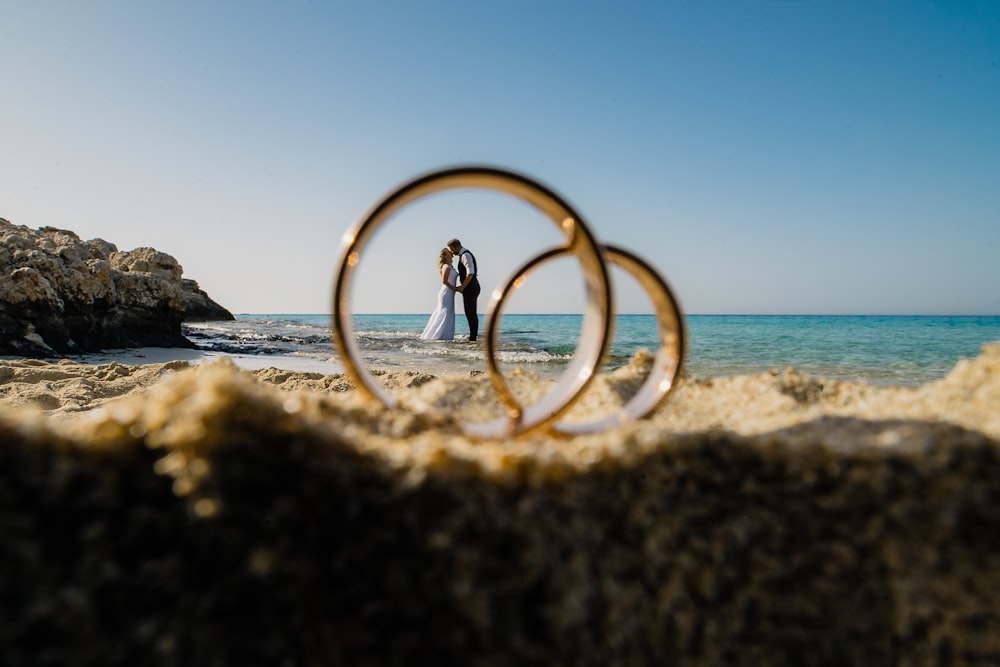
{"type": "Point", "coordinates": [883, 350]}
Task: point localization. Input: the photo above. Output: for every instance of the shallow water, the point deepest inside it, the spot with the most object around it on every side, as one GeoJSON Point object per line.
{"type": "Point", "coordinates": [882, 350]}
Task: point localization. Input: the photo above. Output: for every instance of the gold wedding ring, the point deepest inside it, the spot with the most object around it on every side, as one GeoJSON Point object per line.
{"type": "Point", "coordinates": [666, 364]}
{"type": "Point", "coordinates": [597, 331]}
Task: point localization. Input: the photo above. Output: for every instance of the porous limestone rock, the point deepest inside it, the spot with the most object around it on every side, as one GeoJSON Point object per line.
{"type": "Point", "coordinates": [62, 295]}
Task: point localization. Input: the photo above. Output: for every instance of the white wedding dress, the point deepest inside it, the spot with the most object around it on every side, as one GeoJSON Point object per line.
{"type": "Point", "coordinates": [441, 325]}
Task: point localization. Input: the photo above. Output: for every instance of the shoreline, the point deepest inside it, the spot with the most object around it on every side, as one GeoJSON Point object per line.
{"type": "Point", "coordinates": [743, 403]}
{"type": "Point", "coordinates": [460, 358]}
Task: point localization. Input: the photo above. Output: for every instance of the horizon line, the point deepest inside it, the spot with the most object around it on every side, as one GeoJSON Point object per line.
{"type": "Point", "coordinates": [684, 314]}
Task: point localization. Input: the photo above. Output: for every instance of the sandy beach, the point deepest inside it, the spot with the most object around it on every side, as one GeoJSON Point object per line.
{"type": "Point", "coordinates": [742, 404]}
{"type": "Point", "coordinates": [72, 386]}
{"type": "Point", "coordinates": [228, 512]}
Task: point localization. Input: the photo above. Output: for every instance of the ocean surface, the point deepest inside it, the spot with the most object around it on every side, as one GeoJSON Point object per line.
{"type": "Point", "coordinates": [881, 350]}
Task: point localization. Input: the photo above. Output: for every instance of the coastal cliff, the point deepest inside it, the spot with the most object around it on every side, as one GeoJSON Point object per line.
{"type": "Point", "coordinates": [62, 295]}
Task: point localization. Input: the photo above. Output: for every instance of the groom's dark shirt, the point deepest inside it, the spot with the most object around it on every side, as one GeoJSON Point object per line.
{"type": "Point", "coordinates": [470, 293]}
{"type": "Point", "coordinates": [462, 271]}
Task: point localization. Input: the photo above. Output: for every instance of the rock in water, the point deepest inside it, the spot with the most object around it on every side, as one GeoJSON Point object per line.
{"type": "Point", "coordinates": [199, 306]}
{"type": "Point", "coordinates": [62, 295]}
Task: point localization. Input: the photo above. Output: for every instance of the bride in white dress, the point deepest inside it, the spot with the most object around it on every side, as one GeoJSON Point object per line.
{"type": "Point", "coordinates": [441, 325]}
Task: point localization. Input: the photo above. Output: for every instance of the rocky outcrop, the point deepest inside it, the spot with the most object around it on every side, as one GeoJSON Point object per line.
{"type": "Point", "coordinates": [62, 295]}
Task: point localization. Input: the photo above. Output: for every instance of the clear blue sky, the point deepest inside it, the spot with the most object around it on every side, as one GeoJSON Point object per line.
{"type": "Point", "coordinates": [767, 156]}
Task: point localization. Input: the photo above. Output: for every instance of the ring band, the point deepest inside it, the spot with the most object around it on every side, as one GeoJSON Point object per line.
{"type": "Point", "coordinates": [579, 240]}
{"type": "Point", "coordinates": [598, 319]}
{"type": "Point", "coordinates": [666, 364]}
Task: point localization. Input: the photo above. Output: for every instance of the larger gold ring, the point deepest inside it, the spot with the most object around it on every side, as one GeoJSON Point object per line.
{"type": "Point", "coordinates": [597, 331]}
{"type": "Point", "coordinates": [580, 241]}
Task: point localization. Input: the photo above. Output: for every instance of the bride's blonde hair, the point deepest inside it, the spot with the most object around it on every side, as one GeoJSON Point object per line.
{"type": "Point", "coordinates": [443, 257]}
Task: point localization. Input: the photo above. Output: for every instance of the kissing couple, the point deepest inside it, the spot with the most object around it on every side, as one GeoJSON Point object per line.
{"type": "Point", "coordinates": [441, 325]}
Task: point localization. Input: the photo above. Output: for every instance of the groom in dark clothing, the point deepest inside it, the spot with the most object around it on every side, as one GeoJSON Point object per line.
{"type": "Point", "coordinates": [468, 284]}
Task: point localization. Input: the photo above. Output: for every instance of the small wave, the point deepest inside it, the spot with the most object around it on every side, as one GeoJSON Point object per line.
{"type": "Point", "coordinates": [443, 349]}
{"type": "Point", "coordinates": [386, 335]}
{"type": "Point", "coordinates": [535, 357]}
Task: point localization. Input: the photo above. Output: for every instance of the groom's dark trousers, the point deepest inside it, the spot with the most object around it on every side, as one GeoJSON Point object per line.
{"type": "Point", "coordinates": [470, 295]}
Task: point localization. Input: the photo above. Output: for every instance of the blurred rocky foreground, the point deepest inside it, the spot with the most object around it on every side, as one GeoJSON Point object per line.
{"type": "Point", "coordinates": [225, 518]}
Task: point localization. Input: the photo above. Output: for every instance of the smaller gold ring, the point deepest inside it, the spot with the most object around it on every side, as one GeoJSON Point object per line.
{"type": "Point", "coordinates": [666, 364]}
